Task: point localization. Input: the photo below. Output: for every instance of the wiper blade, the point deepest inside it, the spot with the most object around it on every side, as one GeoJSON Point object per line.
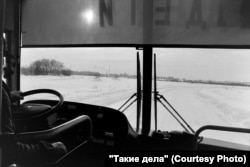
{"type": "Point", "coordinates": [155, 92]}
{"type": "Point", "coordinates": [138, 66]}
{"type": "Point", "coordinates": [158, 97]}
{"type": "Point", "coordinates": [135, 97]}
{"type": "Point", "coordinates": [187, 127]}
{"type": "Point", "coordinates": [122, 109]}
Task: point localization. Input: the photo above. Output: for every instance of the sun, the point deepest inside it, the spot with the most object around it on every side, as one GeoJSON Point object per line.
{"type": "Point", "coordinates": [88, 16]}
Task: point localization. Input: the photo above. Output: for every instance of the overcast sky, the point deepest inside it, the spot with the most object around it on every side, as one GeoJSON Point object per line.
{"type": "Point", "coordinates": [206, 64]}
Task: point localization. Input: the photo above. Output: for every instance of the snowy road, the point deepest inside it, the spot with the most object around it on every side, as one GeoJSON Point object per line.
{"type": "Point", "coordinates": [198, 104]}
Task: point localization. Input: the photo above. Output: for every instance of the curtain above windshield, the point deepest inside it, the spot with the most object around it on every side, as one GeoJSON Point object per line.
{"type": "Point", "coordinates": [164, 22]}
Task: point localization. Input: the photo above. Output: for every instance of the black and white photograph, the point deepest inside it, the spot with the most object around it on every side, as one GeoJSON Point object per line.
{"type": "Point", "coordinates": [121, 83]}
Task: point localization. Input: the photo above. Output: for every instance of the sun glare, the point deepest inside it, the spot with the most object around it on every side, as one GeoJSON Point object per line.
{"type": "Point", "coordinates": [88, 16]}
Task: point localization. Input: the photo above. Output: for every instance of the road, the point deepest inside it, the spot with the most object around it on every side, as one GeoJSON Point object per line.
{"type": "Point", "coordinates": [201, 105]}
{"type": "Point", "coordinates": [198, 104]}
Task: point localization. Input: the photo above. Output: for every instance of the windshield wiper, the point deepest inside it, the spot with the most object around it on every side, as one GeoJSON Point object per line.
{"type": "Point", "coordinates": [136, 96]}
{"type": "Point", "coordinates": [122, 109]}
{"type": "Point", "coordinates": [158, 97]}
{"type": "Point", "coordinates": [187, 127]}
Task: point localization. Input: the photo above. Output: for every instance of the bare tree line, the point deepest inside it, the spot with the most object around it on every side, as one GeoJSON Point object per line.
{"type": "Point", "coordinates": [46, 67]}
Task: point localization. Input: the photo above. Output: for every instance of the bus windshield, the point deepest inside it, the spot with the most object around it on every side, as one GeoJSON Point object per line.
{"type": "Point", "coordinates": [206, 86]}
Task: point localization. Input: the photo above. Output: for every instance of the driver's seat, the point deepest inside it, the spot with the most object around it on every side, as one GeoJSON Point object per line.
{"type": "Point", "coordinates": [82, 121]}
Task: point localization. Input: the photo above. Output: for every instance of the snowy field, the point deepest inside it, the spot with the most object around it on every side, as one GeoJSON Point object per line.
{"type": "Point", "coordinates": [199, 104]}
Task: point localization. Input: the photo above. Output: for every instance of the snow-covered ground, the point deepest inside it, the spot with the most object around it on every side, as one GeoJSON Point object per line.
{"type": "Point", "coordinates": [199, 104]}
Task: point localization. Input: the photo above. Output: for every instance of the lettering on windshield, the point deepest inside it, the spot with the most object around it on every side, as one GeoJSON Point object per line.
{"type": "Point", "coordinates": [197, 12]}
{"type": "Point", "coordinates": [106, 10]}
{"type": "Point", "coordinates": [165, 10]}
{"type": "Point", "coordinates": [195, 17]}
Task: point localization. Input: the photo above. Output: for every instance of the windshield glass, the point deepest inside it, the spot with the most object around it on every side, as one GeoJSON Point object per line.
{"type": "Point", "coordinates": [207, 87]}
{"type": "Point", "coordinates": [99, 76]}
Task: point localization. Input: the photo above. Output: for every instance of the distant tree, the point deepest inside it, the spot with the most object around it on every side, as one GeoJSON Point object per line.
{"type": "Point", "coordinates": [66, 72]}
{"type": "Point", "coordinates": [97, 75]}
{"type": "Point", "coordinates": [46, 67]}
{"type": "Point", "coordinates": [115, 76]}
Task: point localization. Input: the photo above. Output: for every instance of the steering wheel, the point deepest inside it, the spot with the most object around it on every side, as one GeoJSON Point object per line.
{"type": "Point", "coordinates": [34, 109]}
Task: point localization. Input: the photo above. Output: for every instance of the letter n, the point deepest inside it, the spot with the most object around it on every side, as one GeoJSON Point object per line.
{"type": "Point", "coordinates": [106, 10]}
